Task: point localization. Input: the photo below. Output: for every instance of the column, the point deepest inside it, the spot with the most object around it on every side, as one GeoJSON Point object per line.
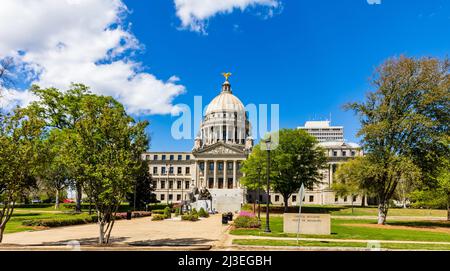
{"type": "Point", "coordinates": [215, 174]}
{"type": "Point", "coordinates": [205, 173]}
{"type": "Point", "coordinates": [197, 174]}
{"type": "Point", "coordinates": [227, 134]}
{"type": "Point", "coordinates": [234, 175]}
{"type": "Point", "coordinates": [330, 180]}
{"type": "Point", "coordinates": [225, 180]}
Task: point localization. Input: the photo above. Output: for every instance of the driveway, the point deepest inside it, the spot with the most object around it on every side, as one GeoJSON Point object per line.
{"type": "Point", "coordinates": [135, 232]}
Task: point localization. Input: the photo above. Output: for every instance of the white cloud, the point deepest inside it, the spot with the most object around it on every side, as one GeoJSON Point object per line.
{"type": "Point", "coordinates": [194, 13]}
{"type": "Point", "coordinates": [82, 41]}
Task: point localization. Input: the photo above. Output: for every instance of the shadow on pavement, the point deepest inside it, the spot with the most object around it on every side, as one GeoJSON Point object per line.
{"type": "Point", "coordinates": [172, 242]}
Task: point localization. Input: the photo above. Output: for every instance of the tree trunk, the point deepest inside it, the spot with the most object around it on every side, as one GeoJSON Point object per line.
{"type": "Point", "coordinates": [79, 195]}
{"type": "Point", "coordinates": [286, 200]}
{"type": "Point", "coordinates": [448, 209]}
{"type": "Point", "coordinates": [353, 211]}
{"type": "Point", "coordinates": [2, 229]}
{"type": "Point", "coordinates": [57, 199]}
{"type": "Point", "coordinates": [363, 201]}
{"type": "Point", "coordinates": [382, 213]}
{"type": "Point", "coordinates": [101, 237]}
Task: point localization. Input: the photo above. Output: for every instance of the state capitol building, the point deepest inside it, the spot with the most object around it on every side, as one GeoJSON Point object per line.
{"type": "Point", "coordinates": [222, 144]}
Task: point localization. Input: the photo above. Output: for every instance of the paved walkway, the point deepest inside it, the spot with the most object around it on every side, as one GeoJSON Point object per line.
{"type": "Point", "coordinates": [135, 232]}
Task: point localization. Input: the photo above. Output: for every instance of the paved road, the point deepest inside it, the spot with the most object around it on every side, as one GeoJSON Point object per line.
{"type": "Point", "coordinates": [136, 232]}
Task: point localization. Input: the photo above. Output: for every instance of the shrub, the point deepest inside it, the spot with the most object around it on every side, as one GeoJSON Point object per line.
{"type": "Point", "coordinates": [158, 211]}
{"type": "Point", "coordinates": [190, 217]}
{"type": "Point", "coordinates": [203, 213]}
{"type": "Point", "coordinates": [246, 213]}
{"type": "Point", "coordinates": [177, 211]}
{"type": "Point", "coordinates": [247, 207]}
{"type": "Point", "coordinates": [157, 206]}
{"type": "Point", "coordinates": [194, 211]}
{"type": "Point", "coordinates": [158, 217]}
{"type": "Point", "coordinates": [59, 222]}
{"type": "Point", "coordinates": [246, 222]}
{"type": "Point", "coordinates": [167, 212]}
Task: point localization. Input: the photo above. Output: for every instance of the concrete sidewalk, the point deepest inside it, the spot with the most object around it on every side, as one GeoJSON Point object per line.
{"type": "Point", "coordinates": [139, 232]}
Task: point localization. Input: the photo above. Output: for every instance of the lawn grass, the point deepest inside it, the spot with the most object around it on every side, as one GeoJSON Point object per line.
{"type": "Point", "coordinates": [271, 242]}
{"type": "Point", "coordinates": [342, 229]}
{"type": "Point", "coordinates": [15, 223]}
{"type": "Point", "coordinates": [372, 211]}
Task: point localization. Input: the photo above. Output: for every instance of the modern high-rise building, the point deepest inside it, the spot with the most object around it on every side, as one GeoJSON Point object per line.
{"type": "Point", "coordinates": [323, 131]}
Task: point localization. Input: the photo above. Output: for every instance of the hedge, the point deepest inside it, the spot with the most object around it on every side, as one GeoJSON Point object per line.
{"type": "Point", "coordinates": [55, 222]}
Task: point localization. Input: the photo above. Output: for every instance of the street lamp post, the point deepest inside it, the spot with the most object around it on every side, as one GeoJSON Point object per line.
{"type": "Point", "coordinates": [268, 143]}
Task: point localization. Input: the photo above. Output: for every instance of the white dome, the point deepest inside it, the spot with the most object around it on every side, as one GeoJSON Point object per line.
{"type": "Point", "coordinates": [225, 101]}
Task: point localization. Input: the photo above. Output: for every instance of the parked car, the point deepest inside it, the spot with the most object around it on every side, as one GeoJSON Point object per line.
{"type": "Point", "coordinates": [68, 201]}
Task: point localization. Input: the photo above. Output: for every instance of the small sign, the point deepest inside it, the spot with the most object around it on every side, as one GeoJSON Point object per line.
{"type": "Point", "coordinates": [319, 224]}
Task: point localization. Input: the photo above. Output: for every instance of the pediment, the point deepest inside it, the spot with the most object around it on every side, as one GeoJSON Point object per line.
{"type": "Point", "coordinates": [221, 148]}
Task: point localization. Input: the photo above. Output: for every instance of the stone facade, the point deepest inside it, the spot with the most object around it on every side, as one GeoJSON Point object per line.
{"type": "Point", "coordinates": [222, 144]}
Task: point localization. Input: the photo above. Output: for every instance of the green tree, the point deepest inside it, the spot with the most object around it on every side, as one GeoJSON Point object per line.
{"type": "Point", "coordinates": [295, 160]}
{"type": "Point", "coordinates": [62, 111]}
{"type": "Point", "coordinates": [404, 121]}
{"type": "Point", "coordinates": [142, 193]}
{"type": "Point", "coordinates": [350, 178]}
{"type": "Point", "coordinates": [20, 146]}
{"type": "Point", "coordinates": [438, 196]}
{"type": "Point", "coordinates": [57, 175]}
{"type": "Point", "coordinates": [109, 143]}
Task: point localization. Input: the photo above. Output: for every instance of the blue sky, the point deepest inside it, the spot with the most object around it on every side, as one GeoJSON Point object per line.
{"type": "Point", "coordinates": [311, 58]}
{"type": "Point", "coordinates": [308, 56]}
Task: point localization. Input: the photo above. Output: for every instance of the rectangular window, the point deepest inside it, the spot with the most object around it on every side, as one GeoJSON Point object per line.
{"type": "Point", "coordinates": [170, 197]}
{"type": "Point", "coordinates": [163, 157]}
{"type": "Point", "coordinates": [170, 170]}
{"type": "Point", "coordinates": [178, 197]}
{"type": "Point", "coordinates": [345, 199]}
{"type": "Point", "coordinates": [154, 184]}
{"type": "Point", "coordinates": [354, 198]}
{"type": "Point", "coordinates": [211, 166]}
{"type": "Point", "coordinates": [202, 165]}
{"type": "Point", "coordinates": [162, 196]}
{"type": "Point", "coordinates": [171, 157]}
{"type": "Point", "coordinates": [334, 153]}
{"type": "Point", "coordinates": [147, 157]}
{"type": "Point", "coordinates": [344, 153]}
{"type": "Point", "coordinates": [155, 157]}
{"type": "Point", "coordinates": [311, 198]}
{"type": "Point", "coordinates": [163, 170]}
{"type": "Point", "coordinates": [188, 170]}
{"type": "Point", "coordinates": [336, 199]}
{"type": "Point", "coordinates": [187, 185]}
{"type": "Point", "coordinates": [179, 170]}
{"type": "Point", "coordinates": [294, 198]}
{"type": "Point", "coordinates": [180, 157]}
{"type": "Point", "coordinates": [178, 184]}
{"type": "Point", "coordinates": [163, 184]}
{"type": "Point", "coordinates": [170, 184]}
{"type": "Point", "coordinates": [188, 157]}
{"type": "Point", "coordinates": [277, 198]}
{"type": "Point", "coordinates": [230, 165]}
{"type": "Point", "coordinates": [220, 166]}
{"type": "Point", "coordinates": [155, 170]}
{"type": "Point", "coordinates": [220, 183]}
{"type": "Point", "coordinates": [353, 153]}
